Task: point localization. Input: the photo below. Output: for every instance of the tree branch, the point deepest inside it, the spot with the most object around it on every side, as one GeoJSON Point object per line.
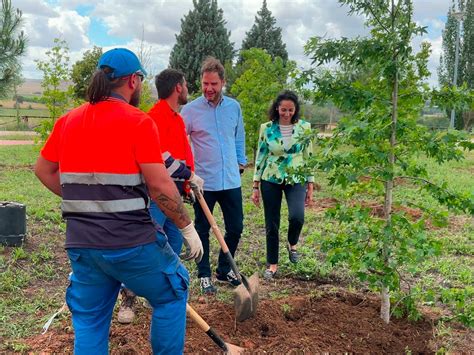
{"type": "Point", "coordinates": [380, 273]}
{"type": "Point", "coordinates": [377, 19]}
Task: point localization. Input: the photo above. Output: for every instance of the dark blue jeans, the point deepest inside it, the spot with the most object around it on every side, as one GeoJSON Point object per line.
{"type": "Point", "coordinates": [271, 196]}
{"type": "Point", "coordinates": [230, 202]}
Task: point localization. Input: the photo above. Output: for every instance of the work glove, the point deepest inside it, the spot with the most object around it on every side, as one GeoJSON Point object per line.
{"type": "Point", "coordinates": [197, 183]}
{"type": "Point", "coordinates": [193, 244]}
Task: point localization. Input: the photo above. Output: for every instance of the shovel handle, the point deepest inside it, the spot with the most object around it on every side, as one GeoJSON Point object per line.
{"type": "Point", "coordinates": [212, 221]}
{"type": "Point", "coordinates": [206, 328]}
{"type": "Point", "coordinates": [217, 232]}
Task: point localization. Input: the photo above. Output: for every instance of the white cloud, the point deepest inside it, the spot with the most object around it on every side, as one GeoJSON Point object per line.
{"type": "Point", "coordinates": [161, 21]}
{"type": "Point", "coordinates": [68, 25]}
{"type": "Point", "coordinates": [34, 7]}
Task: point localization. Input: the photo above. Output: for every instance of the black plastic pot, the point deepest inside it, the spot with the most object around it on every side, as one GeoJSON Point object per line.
{"type": "Point", "coordinates": [12, 223]}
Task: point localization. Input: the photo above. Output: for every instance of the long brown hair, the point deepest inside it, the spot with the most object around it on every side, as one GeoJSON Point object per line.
{"type": "Point", "coordinates": [284, 95]}
{"type": "Point", "coordinates": [101, 87]}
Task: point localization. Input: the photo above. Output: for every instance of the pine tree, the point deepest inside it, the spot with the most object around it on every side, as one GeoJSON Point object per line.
{"type": "Point", "coordinates": [12, 46]}
{"type": "Point", "coordinates": [264, 34]}
{"type": "Point", "coordinates": [203, 34]}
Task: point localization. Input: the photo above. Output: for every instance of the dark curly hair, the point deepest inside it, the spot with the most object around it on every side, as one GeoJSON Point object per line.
{"type": "Point", "coordinates": [284, 95]}
{"type": "Point", "coordinates": [166, 81]}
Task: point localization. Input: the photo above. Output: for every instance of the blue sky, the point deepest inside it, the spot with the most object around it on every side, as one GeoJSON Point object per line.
{"type": "Point", "coordinates": [111, 23]}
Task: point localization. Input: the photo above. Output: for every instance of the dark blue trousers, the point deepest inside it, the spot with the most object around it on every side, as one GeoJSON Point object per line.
{"type": "Point", "coordinates": [230, 202]}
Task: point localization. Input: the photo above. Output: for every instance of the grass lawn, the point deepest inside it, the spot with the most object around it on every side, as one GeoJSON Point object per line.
{"type": "Point", "coordinates": [33, 278]}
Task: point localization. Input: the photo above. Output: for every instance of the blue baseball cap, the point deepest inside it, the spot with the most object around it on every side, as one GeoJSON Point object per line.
{"type": "Point", "coordinates": [123, 62]}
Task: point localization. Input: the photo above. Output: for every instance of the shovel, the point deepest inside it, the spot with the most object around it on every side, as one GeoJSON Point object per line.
{"type": "Point", "coordinates": [246, 294]}
{"type": "Point", "coordinates": [228, 348]}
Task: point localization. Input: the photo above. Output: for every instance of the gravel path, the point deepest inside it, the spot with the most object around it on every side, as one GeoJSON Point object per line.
{"type": "Point", "coordinates": [15, 142]}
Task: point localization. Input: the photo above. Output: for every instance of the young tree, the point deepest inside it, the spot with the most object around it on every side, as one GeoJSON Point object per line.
{"type": "Point", "coordinates": [144, 53]}
{"type": "Point", "coordinates": [17, 80]}
{"type": "Point", "coordinates": [380, 140]}
{"type": "Point", "coordinates": [261, 80]}
{"type": "Point", "coordinates": [264, 34]}
{"type": "Point", "coordinates": [56, 73]}
{"type": "Point", "coordinates": [12, 46]}
{"type": "Point", "coordinates": [203, 34]}
{"type": "Point", "coordinates": [82, 72]}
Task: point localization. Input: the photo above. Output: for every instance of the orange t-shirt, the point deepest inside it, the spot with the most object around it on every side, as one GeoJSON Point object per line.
{"type": "Point", "coordinates": [99, 148]}
{"type": "Point", "coordinates": [173, 138]}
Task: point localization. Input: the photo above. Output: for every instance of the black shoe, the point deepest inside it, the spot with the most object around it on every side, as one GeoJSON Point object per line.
{"type": "Point", "coordinates": [207, 287]}
{"type": "Point", "coordinates": [269, 275]}
{"type": "Point", "coordinates": [229, 278]}
{"type": "Point", "coordinates": [293, 255]}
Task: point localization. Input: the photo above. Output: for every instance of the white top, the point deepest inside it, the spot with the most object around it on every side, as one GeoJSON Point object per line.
{"type": "Point", "coordinates": [286, 132]}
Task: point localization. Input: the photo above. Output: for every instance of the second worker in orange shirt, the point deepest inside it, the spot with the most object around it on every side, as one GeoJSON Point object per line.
{"type": "Point", "coordinates": [178, 157]}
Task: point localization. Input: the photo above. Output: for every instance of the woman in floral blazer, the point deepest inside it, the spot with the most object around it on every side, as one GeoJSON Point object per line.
{"type": "Point", "coordinates": [282, 145]}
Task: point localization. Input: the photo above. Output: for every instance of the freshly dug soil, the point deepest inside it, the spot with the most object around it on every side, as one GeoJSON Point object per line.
{"type": "Point", "coordinates": [331, 322]}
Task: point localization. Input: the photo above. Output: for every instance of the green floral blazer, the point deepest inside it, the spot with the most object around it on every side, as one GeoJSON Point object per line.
{"type": "Point", "coordinates": [273, 159]}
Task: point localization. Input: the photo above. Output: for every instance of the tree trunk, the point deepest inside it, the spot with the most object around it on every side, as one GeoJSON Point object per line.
{"type": "Point", "coordinates": [468, 118]}
{"type": "Point", "coordinates": [387, 207]}
{"type": "Point", "coordinates": [385, 304]}
{"type": "Point", "coordinates": [385, 292]}
{"type": "Point", "coordinates": [17, 106]}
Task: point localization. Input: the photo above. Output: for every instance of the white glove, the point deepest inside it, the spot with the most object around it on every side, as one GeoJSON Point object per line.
{"type": "Point", "coordinates": [192, 242]}
{"type": "Point", "coordinates": [197, 183]}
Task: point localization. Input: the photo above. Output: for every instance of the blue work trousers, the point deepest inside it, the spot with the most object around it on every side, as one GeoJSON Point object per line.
{"type": "Point", "coordinates": [175, 238]}
{"type": "Point", "coordinates": [152, 271]}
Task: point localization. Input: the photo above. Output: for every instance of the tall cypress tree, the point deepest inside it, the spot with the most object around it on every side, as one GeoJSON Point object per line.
{"type": "Point", "coordinates": [466, 55]}
{"type": "Point", "coordinates": [446, 61]}
{"type": "Point", "coordinates": [203, 34]}
{"type": "Point", "coordinates": [264, 34]}
{"type": "Point", "coordinates": [467, 58]}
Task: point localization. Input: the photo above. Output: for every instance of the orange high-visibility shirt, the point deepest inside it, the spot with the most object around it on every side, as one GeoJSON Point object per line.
{"type": "Point", "coordinates": [172, 131]}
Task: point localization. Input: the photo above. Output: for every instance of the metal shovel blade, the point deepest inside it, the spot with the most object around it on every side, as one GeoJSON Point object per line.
{"type": "Point", "coordinates": [227, 347]}
{"type": "Point", "coordinates": [246, 297]}
{"type": "Point", "coordinates": [234, 349]}
{"type": "Point", "coordinates": [246, 294]}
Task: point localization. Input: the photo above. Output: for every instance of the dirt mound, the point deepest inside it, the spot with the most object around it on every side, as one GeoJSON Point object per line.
{"type": "Point", "coordinates": [335, 323]}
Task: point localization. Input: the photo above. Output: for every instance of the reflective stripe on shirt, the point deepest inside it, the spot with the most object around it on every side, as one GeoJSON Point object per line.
{"type": "Point", "coordinates": [84, 206]}
{"type": "Point", "coordinates": [101, 179]}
